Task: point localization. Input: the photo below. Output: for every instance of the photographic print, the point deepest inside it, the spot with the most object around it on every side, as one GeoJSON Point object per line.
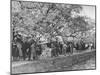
{"type": "Point", "coordinates": [52, 37]}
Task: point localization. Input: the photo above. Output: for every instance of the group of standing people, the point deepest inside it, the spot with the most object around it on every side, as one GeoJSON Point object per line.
{"type": "Point", "coordinates": [28, 48]}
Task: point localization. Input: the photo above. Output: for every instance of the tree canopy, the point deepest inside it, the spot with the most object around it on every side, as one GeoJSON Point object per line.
{"type": "Point", "coordinates": [51, 20]}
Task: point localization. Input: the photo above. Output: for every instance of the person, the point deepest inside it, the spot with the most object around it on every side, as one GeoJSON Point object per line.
{"type": "Point", "coordinates": [64, 49]}
{"type": "Point", "coordinates": [19, 43]}
{"type": "Point", "coordinates": [53, 52]}
{"type": "Point", "coordinates": [14, 50]}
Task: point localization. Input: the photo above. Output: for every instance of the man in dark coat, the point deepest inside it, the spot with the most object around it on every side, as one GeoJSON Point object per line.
{"type": "Point", "coordinates": [14, 51]}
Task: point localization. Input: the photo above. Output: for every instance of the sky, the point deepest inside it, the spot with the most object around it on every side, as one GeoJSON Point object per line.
{"type": "Point", "coordinates": [88, 11]}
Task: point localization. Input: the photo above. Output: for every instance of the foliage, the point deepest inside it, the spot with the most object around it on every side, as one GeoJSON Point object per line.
{"type": "Point", "coordinates": [49, 18]}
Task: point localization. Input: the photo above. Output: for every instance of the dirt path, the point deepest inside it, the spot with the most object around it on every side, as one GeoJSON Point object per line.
{"type": "Point", "coordinates": [44, 65]}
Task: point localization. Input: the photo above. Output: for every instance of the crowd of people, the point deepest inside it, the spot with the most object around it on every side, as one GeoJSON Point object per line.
{"type": "Point", "coordinates": [30, 49]}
